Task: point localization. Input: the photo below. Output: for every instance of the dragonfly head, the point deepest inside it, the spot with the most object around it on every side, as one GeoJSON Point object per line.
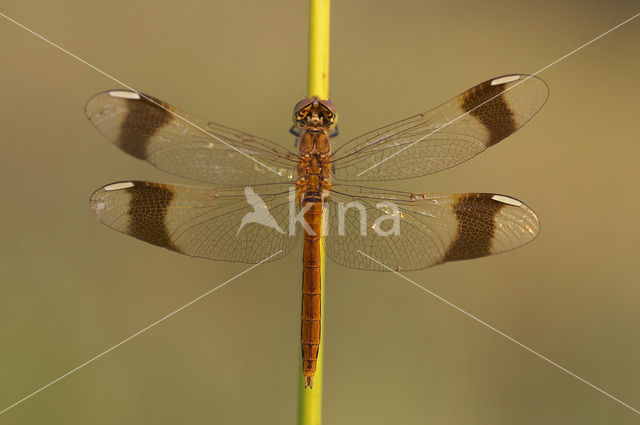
{"type": "Point", "coordinates": [315, 112]}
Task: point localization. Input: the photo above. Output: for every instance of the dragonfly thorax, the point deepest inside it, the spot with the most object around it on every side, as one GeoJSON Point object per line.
{"type": "Point", "coordinates": [314, 142]}
{"type": "Point", "coordinates": [314, 172]}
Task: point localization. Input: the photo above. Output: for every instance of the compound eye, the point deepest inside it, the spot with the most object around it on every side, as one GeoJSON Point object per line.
{"type": "Point", "coordinates": [330, 110]}
{"type": "Point", "coordinates": [302, 107]}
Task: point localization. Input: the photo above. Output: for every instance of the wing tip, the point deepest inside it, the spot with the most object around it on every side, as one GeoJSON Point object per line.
{"type": "Point", "coordinates": [92, 106]}
{"type": "Point", "coordinates": [97, 201]}
{"type": "Point", "coordinates": [533, 224]}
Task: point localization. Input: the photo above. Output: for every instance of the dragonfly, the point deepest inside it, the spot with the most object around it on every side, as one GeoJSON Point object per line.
{"type": "Point", "coordinates": [260, 197]}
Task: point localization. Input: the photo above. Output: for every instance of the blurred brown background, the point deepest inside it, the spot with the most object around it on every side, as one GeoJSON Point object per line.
{"type": "Point", "coordinates": [71, 287]}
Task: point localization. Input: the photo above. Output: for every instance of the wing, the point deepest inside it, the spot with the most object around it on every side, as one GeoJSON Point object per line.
{"type": "Point", "coordinates": [197, 221]}
{"type": "Point", "coordinates": [406, 231]}
{"type": "Point", "coordinates": [180, 144]}
{"type": "Point", "coordinates": [450, 134]}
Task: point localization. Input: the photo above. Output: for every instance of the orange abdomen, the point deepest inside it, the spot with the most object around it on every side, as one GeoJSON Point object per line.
{"type": "Point", "coordinates": [311, 292]}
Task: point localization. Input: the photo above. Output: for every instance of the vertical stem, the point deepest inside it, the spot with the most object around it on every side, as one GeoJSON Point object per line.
{"type": "Point", "coordinates": [318, 80]}
{"type": "Point", "coordinates": [310, 399]}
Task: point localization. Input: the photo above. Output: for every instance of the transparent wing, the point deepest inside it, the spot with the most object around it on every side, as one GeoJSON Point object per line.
{"type": "Point", "coordinates": [445, 136]}
{"type": "Point", "coordinates": [245, 225]}
{"type": "Point", "coordinates": [406, 231]}
{"type": "Point", "coordinates": [150, 131]}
